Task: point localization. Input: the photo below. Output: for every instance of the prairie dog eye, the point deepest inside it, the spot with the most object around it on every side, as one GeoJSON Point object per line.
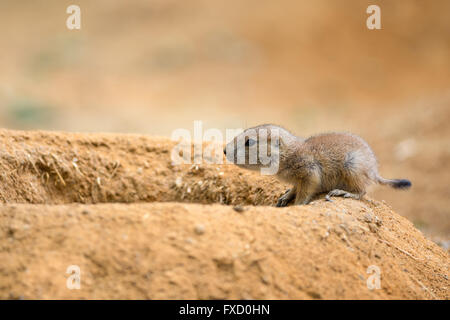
{"type": "Point", "coordinates": [249, 142]}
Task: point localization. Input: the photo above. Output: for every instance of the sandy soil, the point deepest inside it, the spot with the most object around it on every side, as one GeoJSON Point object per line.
{"type": "Point", "coordinates": [139, 227]}
{"type": "Point", "coordinates": [312, 66]}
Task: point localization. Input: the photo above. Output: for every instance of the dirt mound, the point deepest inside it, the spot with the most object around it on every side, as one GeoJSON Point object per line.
{"type": "Point", "coordinates": [61, 168]}
{"type": "Point", "coordinates": [230, 244]}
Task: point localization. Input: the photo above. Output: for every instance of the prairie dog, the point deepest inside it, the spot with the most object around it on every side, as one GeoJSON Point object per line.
{"type": "Point", "coordinates": [339, 164]}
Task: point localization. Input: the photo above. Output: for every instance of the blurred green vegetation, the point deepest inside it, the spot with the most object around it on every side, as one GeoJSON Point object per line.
{"type": "Point", "coordinates": [25, 113]}
{"type": "Point", "coordinates": [59, 53]}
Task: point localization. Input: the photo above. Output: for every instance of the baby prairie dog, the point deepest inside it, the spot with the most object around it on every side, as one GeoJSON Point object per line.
{"type": "Point", "coordinates": [338, 164]}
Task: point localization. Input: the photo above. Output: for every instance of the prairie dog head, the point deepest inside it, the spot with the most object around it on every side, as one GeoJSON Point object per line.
{"type": "Point", "coordinates": [259, 148]}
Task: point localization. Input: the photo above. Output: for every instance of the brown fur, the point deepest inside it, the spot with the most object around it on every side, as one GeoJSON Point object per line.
{"type": "Point", "coordinates": [340, 164]}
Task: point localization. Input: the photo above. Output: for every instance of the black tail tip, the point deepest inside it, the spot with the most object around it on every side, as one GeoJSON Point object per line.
{"type": "Point", "coordinates": [401, 184]}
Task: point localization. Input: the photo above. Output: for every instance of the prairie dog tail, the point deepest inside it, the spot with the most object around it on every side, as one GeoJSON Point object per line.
{"type": "Point", "coordinates": [395, 183]}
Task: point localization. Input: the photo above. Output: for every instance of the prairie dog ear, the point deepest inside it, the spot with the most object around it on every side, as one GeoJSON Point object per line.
{"type": "Point", "coordinates": [285, 138]}
{"type": "Point", "coordinates": [278, 137]}
{"type": "Point", "coordinates": [279, 142]}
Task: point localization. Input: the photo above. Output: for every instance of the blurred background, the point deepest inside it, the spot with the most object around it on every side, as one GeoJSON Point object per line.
{"type": "Point", "coordinates": [154, 66]}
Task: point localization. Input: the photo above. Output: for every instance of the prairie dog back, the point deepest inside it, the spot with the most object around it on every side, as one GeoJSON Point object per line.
{"type": "Point", "coordinates": [344, 160]}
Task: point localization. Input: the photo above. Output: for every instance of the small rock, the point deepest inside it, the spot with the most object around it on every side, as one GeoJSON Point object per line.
{"type": "Point", "coordinates": [171, 236]}
{"type": "Point", "coordinates": [199, 229]}
{"type": "Point", "coordinates": [373, 227]}
{"type": "Point", "coordinates": [368, 217]}
{"type": "Point", "coordinates": [238, 209]}
{"type": "Point", "coordinates": [326, 234]}
{"type": "Point", "coordinates": [378, 221]}
{"type": "Point", "coordinates": [339, 232]}
{"type": "Point", "coordinates": [265, 279]}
